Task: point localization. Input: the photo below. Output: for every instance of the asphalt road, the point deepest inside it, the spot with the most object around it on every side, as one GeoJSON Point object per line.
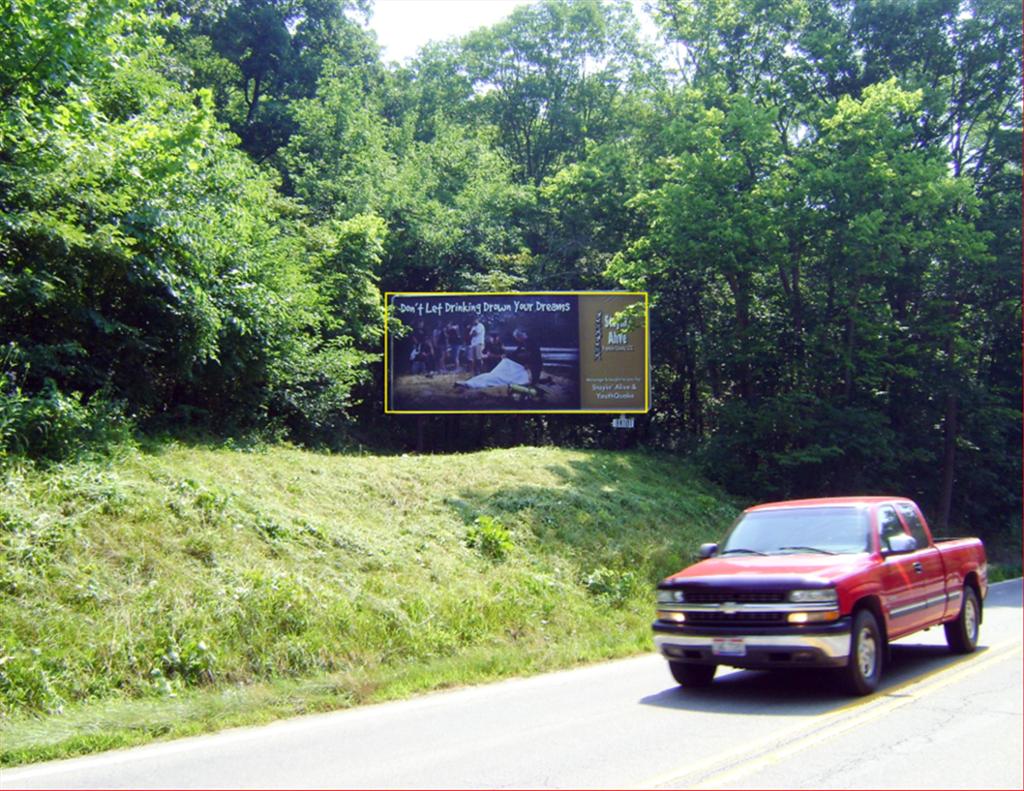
{"type": "Point", "coordinates": [939, 721]}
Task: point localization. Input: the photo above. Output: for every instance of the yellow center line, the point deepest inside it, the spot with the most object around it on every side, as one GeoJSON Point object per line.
{"type": "Point", "coordinates": [782, 744]}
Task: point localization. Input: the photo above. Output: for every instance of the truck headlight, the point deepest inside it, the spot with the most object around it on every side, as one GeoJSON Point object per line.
{"type": "Point", "coordinates": [670, 597]}
{"type": "Point", "coordinates": [813, 617]}
{"type": "Point", "coordinates": [815, 596]}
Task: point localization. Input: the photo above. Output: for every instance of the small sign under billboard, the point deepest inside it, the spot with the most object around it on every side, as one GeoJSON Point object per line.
{"type": "Point", "coordinates": [548, 352]}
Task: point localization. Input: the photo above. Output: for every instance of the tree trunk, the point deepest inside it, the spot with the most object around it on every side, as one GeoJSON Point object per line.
{"type": "Point", "coordinates": [255, 101]}
{"type": "Point", "coordinates": [741, 300]}
{"type": "Point", "coordinates": [848, 333]}
{"type": "Point", "coordinates": [948, 460]}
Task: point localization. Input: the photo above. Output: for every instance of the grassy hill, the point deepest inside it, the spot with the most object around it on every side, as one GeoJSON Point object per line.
{"type": "Point", "coordinates": [180, 589]}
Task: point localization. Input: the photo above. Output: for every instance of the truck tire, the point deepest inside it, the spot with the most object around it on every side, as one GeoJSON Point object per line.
{"type": "Point", "coordinates": [688, 675]}
{"type": "Point", "coordinates": [962, 632]}
{"type": "Point", "coordinates": [867, 655]}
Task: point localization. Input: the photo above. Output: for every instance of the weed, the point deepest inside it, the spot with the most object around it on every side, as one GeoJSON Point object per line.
{"type": "Point", "coordinates": [25, 682]}
{"type": "Point", "coordinates": [613, 586]}
{"type": "Point", "coordinates": [490, 537]}
{"type": "Point", "coordinates": [176, 575]}
{"type": "Point", "coordinates": [269, 528]}
{"type": "Point", "coordinates": [201, 547]}
{"type": "Point", "coordinates": [55, 426]}
{"type": "Point", "coordinates": [997, 572]}
{"type": "Point", "coordinates": [191, 661]}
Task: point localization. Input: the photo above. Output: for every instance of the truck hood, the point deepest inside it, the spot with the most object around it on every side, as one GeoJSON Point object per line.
{"type": "Point", "coordinates": [773, 571]}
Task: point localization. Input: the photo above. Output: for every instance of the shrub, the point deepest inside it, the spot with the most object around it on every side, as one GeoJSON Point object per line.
{"type": "Point", "coordinates": [192, 661]}
{"type": "Point", "coordinates": [490, 538]}
{"type": "Point", "coordinates": [611, 585]}
{"type": "Point", "coordinates": [55, 426]}
{"type": "Point", "coordinates": [25, 683]}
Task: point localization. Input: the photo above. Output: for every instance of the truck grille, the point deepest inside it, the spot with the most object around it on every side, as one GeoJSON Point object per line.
{"type": "Point", "coordinates": [721, 618]}
{"type": "Point", "coordinates": [703, 596]}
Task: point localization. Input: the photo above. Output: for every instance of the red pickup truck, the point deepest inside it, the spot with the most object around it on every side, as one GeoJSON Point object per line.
{"type": "Point", "coordinates": [819, 583]}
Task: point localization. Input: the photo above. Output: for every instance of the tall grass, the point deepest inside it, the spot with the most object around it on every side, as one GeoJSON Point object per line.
{"type": "Point", "coordinates": [180, 572]}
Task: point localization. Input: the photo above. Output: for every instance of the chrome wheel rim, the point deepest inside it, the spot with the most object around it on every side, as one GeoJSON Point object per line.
{"type": "Point", "coordinates": [867, 652]}
{"type": "Point", "coordinates": [970, 620]}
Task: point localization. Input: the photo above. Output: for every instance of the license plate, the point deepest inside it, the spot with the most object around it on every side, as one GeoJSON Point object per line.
{"type": "Point", "coordinates": [728, 646]}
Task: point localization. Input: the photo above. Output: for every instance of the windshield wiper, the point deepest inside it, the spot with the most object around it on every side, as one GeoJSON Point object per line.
{"type": "Point", "coordinates": [744, 551]}
{"type": "Point", "coordinates": [812, 549]}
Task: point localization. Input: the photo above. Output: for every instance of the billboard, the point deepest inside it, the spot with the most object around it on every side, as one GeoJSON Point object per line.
{"type": "Point", "coordinates": [542, 352]}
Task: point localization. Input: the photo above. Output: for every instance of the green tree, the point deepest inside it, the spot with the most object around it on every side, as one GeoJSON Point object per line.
{"type": "Point", "coordinates": [455, 215]}
{"type": "Point", "coordinates": [339, 160]}
{"type": "Point", "coordinates": [259, 56]}
{"type": "Point", "coordinates": [824, 184]}
{"type": "Point", "coordinates": [146, 257]}
{"type": "Point", "coordinates": [549, 76]}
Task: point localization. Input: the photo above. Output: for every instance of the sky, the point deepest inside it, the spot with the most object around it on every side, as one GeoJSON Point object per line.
{"type": "Point", "coordinates": [403, 26]}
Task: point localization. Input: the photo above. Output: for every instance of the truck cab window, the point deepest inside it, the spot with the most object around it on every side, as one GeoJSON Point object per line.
{"type": "Point", "coordinates": [913, 523]}
{"type": "Point", "coordinates": [889, 525]}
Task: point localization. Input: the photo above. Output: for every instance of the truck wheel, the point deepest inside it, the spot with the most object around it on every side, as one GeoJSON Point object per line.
{"type": "Point", "coordinates": [692, 675]}
{"type": "Point", "coordinates": [962, 633]}
{"type": "Point", "coordinates": [867, 652]}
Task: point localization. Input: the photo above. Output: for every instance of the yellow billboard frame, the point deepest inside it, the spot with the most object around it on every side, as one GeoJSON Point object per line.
{"type": "Point", "coordinates": [647, 352]}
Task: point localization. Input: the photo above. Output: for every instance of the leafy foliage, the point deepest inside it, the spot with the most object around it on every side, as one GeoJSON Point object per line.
{"type": "Point", "coordinates": [490, 537]}
{"type": "Point", "coordinates": [612, 586]}
{"type": "Point", "coordinates": [201, 203]}
{"type": "Point", "coordinates": [179, 568]}
{"type": "Point", "coordinates": [816, 242]}
{"type": "Point", "coordinates": [146, 256]}
{"type": "Point", "coordinates": [53, 426]}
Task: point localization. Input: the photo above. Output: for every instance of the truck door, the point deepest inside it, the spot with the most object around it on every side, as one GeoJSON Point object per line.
{"type": "Point", "coordinates": [904, 578]}
{"type": "Point", "coordinates": [928, 555]}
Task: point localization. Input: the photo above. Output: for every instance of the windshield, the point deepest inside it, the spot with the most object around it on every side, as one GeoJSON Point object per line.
{"type": "Point", "coordinates": [827, 530]}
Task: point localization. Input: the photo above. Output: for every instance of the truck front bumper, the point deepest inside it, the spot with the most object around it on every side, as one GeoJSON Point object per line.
{"type": "Point", "coordinates": [821, 646]}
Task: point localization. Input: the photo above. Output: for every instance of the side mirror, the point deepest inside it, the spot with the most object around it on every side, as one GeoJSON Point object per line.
{"type": "Point", "coordinates": [900, 544]}
{"type": "Point", "coordinates": [708, 550]}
